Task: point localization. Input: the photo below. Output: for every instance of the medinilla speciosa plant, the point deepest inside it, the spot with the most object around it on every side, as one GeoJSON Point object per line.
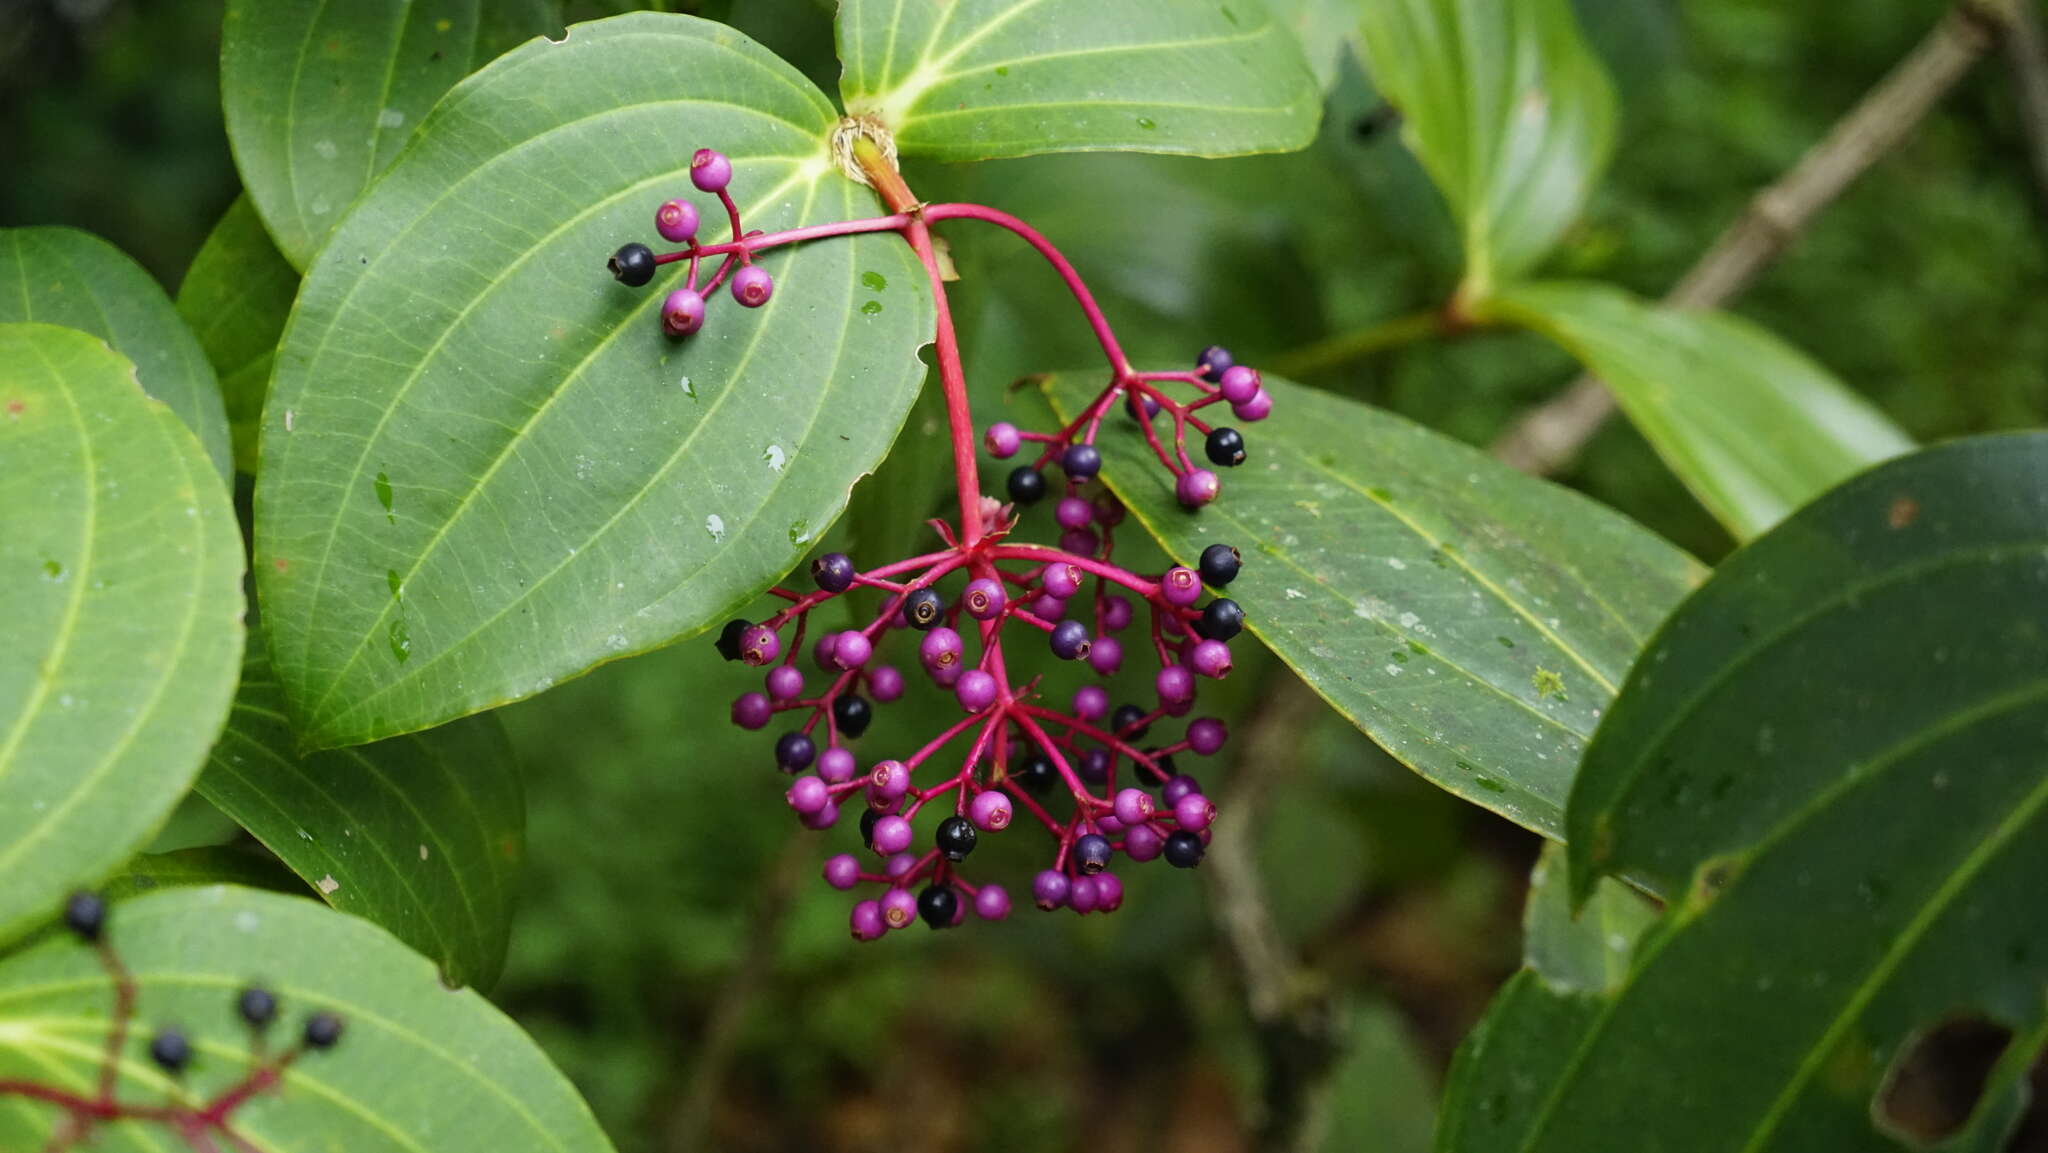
{"type": "Point", "coordinates": [1097, 778]}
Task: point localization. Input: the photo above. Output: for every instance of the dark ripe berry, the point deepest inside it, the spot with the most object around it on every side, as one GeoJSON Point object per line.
{"type": "Point", "coordinates": [633, 265]}
{"type": "Point", "coordinates": [729, 640]}
{"type": "Point", "coordinates": [1213, 361]}
{"type": "Point", "coordinates": [85, 914]}
{"type": "Point", "coordinates": [1035, 773]}
{"type": "Point", "coordinates": [853, 714]}
{"type": "Point", "coordinates": [1161, 770]}
{"type": "Point", "coordinates": [1091, 853]}
{"type": "Point", "coordinates": [938, 905]}
{"type": "Point", "coordinates": [1095, 765]}
{"type": "Point", "coordinates": [1183, 849]}
{"type": "Point", "coordinates": [171, 1051]}
{"type": "Point", "coordinates": [1141, 408]}
{"type": "Point", "coordinates": [1026, 485]}
{"type": "Point", "coordinates": [257, 1005]}
{"type": "Point", "coordinates": [1221, 620]}
{"type": "Point", "coordinates": [1128, 722]}
{"type": "Point", "coordinates": [1225, 447]}
{"type": "Point", "coordinates": [1070, 640]}
{"type": "Point", "coordinates": [923, 608]}
{"type": "Point", "coordinates": [1081, 461]}
{"type": "Point", "coordinates": [794, 752]}
{"type": "Point", "coordinates": [868, 817]}
{"type": "Point", "coordinates": [322, 1031]}
{"type": "Point", "coordinates": [956, 838]}
{"type": "Point", "coordinates": [1219, 564]}
{"type": "Point", "coordinates": [834, 572]}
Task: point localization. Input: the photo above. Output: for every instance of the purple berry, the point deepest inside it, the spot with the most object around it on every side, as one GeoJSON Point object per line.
{"type": "Point", "coordinates": [1138, 403]}
{"type": "Point", "coordinates": [984, 598]}
{"type": "Point", "coordinates": [867, 921]}
{"type": "Point", "coordinates": [1176, 685]}
{"type": "Point", "coordinates": [976, 690]}
{"type": "Point", "coordinates": [852, 649]}
{"type": "Point", "coordinates": [1082, 896]}
{"type": "Point", "coordinates": [1142, 843]}
{"type": "Point", "coordinates": [888, 782]}
{"type": "Point", "coordinates": [990, 811]}
{"type": "Point", "coordinates": [1109, 893]}
{"type": "Point", "coordinates": [899, 908]}
{"type": "Point", "coordinates": [808, 795]}
{"type": "Point", "coordinates": [1206, 735]}
{"type": "Point", "coordinates": [1073, 512]}
{"type": "Point", "coordinates": [892, 835]}
{"type": "Point", "coordinates": [940, 649]}
{"type": "Point", "coordinates": [1116, 613]}
{"type": "Point", "coordinates": [992, 903]}
{"type": "Point", "coordinates": [1048, 607]}
{"type": "Point", "coordinates": [682, 313]}
{"type": "Point", "coordinates": [1179, 786]}
{"type": "Point", "coordinates": [752, 711]}
{"type": "Point", "coordinates": [794, 752]}
{"type": "Point", "coordinates": [676, 221]}
{"type": "Point", "coordinates": [821, 652]}
{"type": "Point", "coordinates": [1095, 765]}
{"type": "Point", "coordinates": [1091, 702]}
{"type": "Point", "coordinates": [1050, 889]}
{"type": "Point", "coordinates": [752, 286]}
{"type": "Point", "coordinates": [785, 683]}
{"type": "Point", "coordinates": [1214, 362]}
{"type": "Point", "coordinates": [1196, 488]}
{"type": "Point", "coordinates": [885, 683]}
{"type": "Point", "coordinates": [1070, 640]}
{"type": "Point", "coordinates": [1081, 461]}
{"type": "Point", "coordinates": [1062, 579]}
{"type": "Point", "coordinates": [1002, 440]}
{"type": "Point", "coordinates": [898, 865]}
{"type": "Point", "coordinates": [1091, 853]}
{"type": "Point", "coordinates": [1133, 806]}
{"type": "Point", "coordinates": [834, 572]}
{"type": "Point", "coordinates": [1106, 655]}
{"type": "Point", "coordinates": [947, 677]}
{"type": "Point", "coordinates": [821, 820]}
{"type": "Point", "coordinates": [1108, 826]}
{"type": "Point", "coordinates": [1109, 511]}
{"type": "Point", "coordinates": [1080, 541]}
{"type": "Point", "coordinates": [837, 766]}
{"type": "Point", "coordinates": [1258, 408]}
{"type": "Point", "coordinates": [1193, 812]}
{"type": "Point", "coordinates": [842, 872]}
{"type": "Point", "coordinates": [1211, 659]}
{"type": "Point", "coordinates": [1180, 586]}
{"type": "Point", "coordinates": [710, 171]}
{"type": "Point", "coordinates": [1239, 384]}
{"type": "Point", "coordinates": [759, 645]}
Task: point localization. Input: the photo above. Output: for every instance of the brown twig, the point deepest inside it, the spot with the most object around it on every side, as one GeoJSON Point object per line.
{"type": "Point", "coordinates": [2026, 57]}
{"type": "Point", "coordinates": [1549, 437]}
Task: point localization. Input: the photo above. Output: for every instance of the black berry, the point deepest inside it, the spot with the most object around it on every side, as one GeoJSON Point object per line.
{"type": "Point", "coordinates": [1095, 765]}
{"type": "Point", "coordinates": [834, 572]}
{"type": "Point", "coordinates": [1035, 773]}
{"type": "Point", "coordinates": [794, 752]}
{"type": "Point", "coordinates": [729, 638]}
{"type": "Point", "coordinates": [633, 265]}
{"type": "Point", "coordinates": [257, 1005]}
{"type": "Point", "coordinates": [1183, 849]}
{"type": "Point", "coordinates": [853, 714]}
{"type": "Point", "coordinates": [956, 838]}
{"type": "Point", "coordinates": [1225, 447]}
{"type": "Point", "coordinates": [322, 1031]}
{"type": "Point", "coordinates": [1091, 852]}
{"type": "Point", "coordinates": [1026, 485]}
{"type": "Point", "coordinates": [1128, 722]}
{"type": "Point", "coordinates": [1219, 564]}
{"type": "Point", "coordinates": [938, 905]}
{"type": "Point", "coordinates": [1162, 771]}
{"type": "Point", "coordinates": [1081, 461]}
{"type": "Point", "coordinates": [868, 817]}
{"type": "Point", "coordinates": [171, 1051]}
{"type": "Point", "coordinates": [923, 609]}
{"type": "Point", "coordinates": [1221, 619]}
{"type": "Point", "coordinates": [1213, 361]}
{"type": "Point", "coordinates": [86, 914]}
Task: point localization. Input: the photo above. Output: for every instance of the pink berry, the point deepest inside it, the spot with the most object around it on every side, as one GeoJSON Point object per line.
{"type": "Point", "coordinates": [1211, 659]}
{"type": "Point", "coordinates": [940, 649]}
{"type": "Point", "coordinates": [1109, 893]}
{"type": "Point", "coordinates": [899, 908]}
{"type": "Point", "coordinates": [1175, 684]}
{"type": "Point", "coordinates": [867, 921]}
{"type": "Point", "coordinates": [759, 645]}
{"type": "Point", "coordinates": [1180, 586]}
{"type": "Point", "coordinates": [888, 782]}
{"type": "Point", "coordinates": [676, 221]}
{"type": "Point", "coordinates": [1091, 702]}
{"type": "Point", "coordinates": [990, 811]}
{"type": "Point", "coordinates": [752, 286]}
{"type": "Point", "coordinates": [1106, 655]}
{"type": "Point", "coordinates": [1196, 488]}
{"type": "Point", "coordinates": [1177, 787]}
{"type": "Point", "coordinates": [852, 650]}
{"type": "Point", "coordinates": [1048, 607]}
{"type": "Point", "coordinates": [1062, 579]}
{"type": "Point", "coordinates": [983, 599]}
{"type": "Point", "coordinates": [821, 820]}
{"type": "Point", "coordinates": [808, 795]}
{"type": "Point", "coordinates": [1073, 512]}
{"type": "Point", "coordinates": [898, 865]}
{"type": "Point", "coordinates": [837, 766]}
{"type": "Point", "coordinates": [1133, 806]}
{"type": "Point", "coordinates": [1206, 735]}
{"type": "Point", "coordinates": [785, 683]}
{"type": "Point", "coordinates": [1193, 812]}
{"type": "Point", "coordinates": [892, 835]}
{"type": "Point", "coordinates": [1257, 408]}
{"type": "Point", "coordinates": [1081, 895]}
{"type": "Point", "coordinates": [752, 711]}
{"type": "Point", "coordinates": [1080, 541]}
{"type": "Point", "coordinates": [1050, 889]}
{"type": "Point", "coordinates": [710, 171]}
{"type": "Point", "coordinates": [976, 690]}
{"type": "Point", "coordinates": [1141, 843]}
{"type": "Point", "coordinates": [1239, 383]}
{"type": "Point", "coordinates": [821, 652]}
{"type": "Point", "coordinates": [682, 313]}
{"type": "Point", "coordinates": [842, 872]}
{"type": "Point", "coordinates": [1002, 440]}
{"type": "Point", "coordinates": [885, 683]}
{"type": "Point", "coordinates": [992, 903]}
{"type": "Point", "coordinates": [1116, 613]}
{"type": "Point", "coordinates": [1109, 511]}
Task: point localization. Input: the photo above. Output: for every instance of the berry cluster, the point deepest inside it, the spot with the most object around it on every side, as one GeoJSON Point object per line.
{"type": "Point", "coordinates": [1084, 773]}
{"type": "Point", "coordinates": [170, 1048]}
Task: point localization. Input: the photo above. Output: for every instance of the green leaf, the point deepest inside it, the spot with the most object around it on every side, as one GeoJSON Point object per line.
{"type": "Point", "coordinates": [1507, 108]}
{"type": "Point", "coordinates": [121, 573]}
{"type": "Point", "coordinates": [980, 79]}
{"type": "Point", "coordinates": [205, 865]}
{"type": "Point", "coordinates": [423, 834]}
{"type": "Point", "coordinates": [1325, 29]}
{"type": "Point", "coordinates": [1473, 621]}
{"type": "Point", "coordinates": [321, 96]}
{"type": "Point", "coordinates": [485, 469]}
{"type": "Point", "coordinates": [75, 279]}
{"type": "Point", "coordinates": [236, 296]}
{"type": "Point", "coordinates": [1831, 758]}
{"type": "Point", "coordinates": [418, 1066]}
{"type": "Point", "coordinates": [1751, 425]}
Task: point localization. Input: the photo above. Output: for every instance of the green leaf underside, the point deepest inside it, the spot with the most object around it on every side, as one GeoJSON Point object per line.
{"type": "Point", "coordinates": [320, 95]}
{"type": "Point", "coordinates": [1832, 757]}
{"type": "Point", "coordinates": [485, 468]}
{"type": "Point", "coordinates": [1507, 108]}
{"type": "Point", "coordinates": [242, 865]}
{"type": "Point", "coordinates": [980, 79]}
{"type": "Point", "coordinates": [1471, 620]}
{"type": "Point", "coordinates": [1750, 424]}
{"type": "Point", "coordinates": [236, 297]}
{"type": "Point", "coordinates": [75, 279]}
{"type": "Point", "coordinates": [423, 834]}
{"type": "Point", "coordinates": [419, 1067]}
{"type": "Point", "coordinates": [120, 570]}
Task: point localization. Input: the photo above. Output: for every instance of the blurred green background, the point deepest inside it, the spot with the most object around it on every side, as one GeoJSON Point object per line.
{"type": "Point", "coordinates": [676, 953]}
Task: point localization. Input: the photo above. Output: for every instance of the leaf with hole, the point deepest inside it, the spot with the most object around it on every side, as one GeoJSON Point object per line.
{"type": "Point", "coordinates": [1751, 425]}
{"type": "Point", "coordinates": [1507, 108]}
{"type": "Point", "coordinates": [418, 1065]}
{"type": "Point", "coordinates": [485, 469]}
{"type": "Point", "coordinates": [320, 97]}
{"type": "Point", "coordinates": [75, 279]}
{"type": "Point", "coordinates": [121, 572]}
{"type": "Point", "coordinates": [980, 79]}
{"type": "Point", "coordinates": [1473, 621]}
{"type": "Point", "coordinates": [237, 296]}
{"type": "Point", "coordinates": [1830, 759]}
{"type": "Point", "coordinates": [423, 834]}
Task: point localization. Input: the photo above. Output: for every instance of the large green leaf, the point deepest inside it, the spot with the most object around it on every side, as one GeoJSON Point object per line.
{"type": "Point", "coordinates": [484, 467]}
{"type": "Point", "coordinates": [1472, 620]}
{"type": "Point", "coordinates": [978, 79]}
{"type": "Point", "coordinates": [1831, 758]}
{"type": "Point", "coordinates": [237, 296]}
{"type": "Point", "coordinates": [121, 573]}
{"type": "Point", "coordinates": [321, 96]}
{"type": "Point", "coordinates": [1751, 425]}
{"type": "Point", "coordinates": [418, 1067]}
{"type": "Point", "coordinates": [64, 276]}
{"type": "Point", "coordinates": [245, 865]}
{"type": "Point", "coordinates": [423, 834]}
{"type": "Point", "coordinates": [1507, 108]}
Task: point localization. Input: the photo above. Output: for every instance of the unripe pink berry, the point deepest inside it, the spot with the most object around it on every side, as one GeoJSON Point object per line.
{"type": "Point", "coordinates": [1256, 409]}
{"type": "Point", "coordinates": [1073, 512]}
{"type": "Point", "coordinates": [710, 171]}
{"type": "Point", "coordinates": [866, 920]}
{"type": "Point", "coordinates": [1196, 487]}
{"type": "Point", "coordinates": [976, 690]}
{"type": "Point", "coordinates": [752, 711]}
{"type": "Point", "coordinates": [1206, 735]}
{"type": "Point", "coordinates": [983, 599]}
{"type": "Point", "coordinates": [1062, 579]}
{"type": "Point", "coordinates": [852, 650]}
{"type": "Point", "coordinates": [1106, 656]}
{"type": "Point", "coordinates": [1109, 893]}
{"type": "Point", "coordinates": [752, 286]}
{"type": "Point", "coordinates": [1239, 384]}
{"type": "Point", "coordinates": [888, 782]}
{"type": "Point", "coordinates": [837, 765]}
{"type": "Point", "coordinates": [842, 872]}
{"type": "Point", "coordinates": [682, 313]}
{"type": "Point", "coordinates": [1080, 541]}
{"type": "Point", "coordinates": [892, 835]}
{"type": "Point", "coordinates": [1091, 702]}
{"type": "Point", "coordinates": [759, 645]}
{"type": "Point", "coordinates": [1141, 843]}
{"type": "Point", "coordinates": [676, 221]}
{"type": "Point", "coordinates": [1175, 684]}
{"type": "Point", "coordinates": [1193, 812]}
{"type": "Point", "coordinates": [940, 649]}
{"type": "Point", "coordinates": [1211, 659]}
{"type": "Point", "coordinates": [992, 902]}
{"type": "Point", "coordinates": [1180, 586]}
{"type": "Point", "coordinates": [823, 819]}
{"type": "Point", "coordinates": [885, 683]}
{"type": "Point", "coordinates": [808, 794]}
{"type": "Point", "coordinates": [1002, 440]}
{"type": "Point", "coordinates": [899, 908]}
{"type": "Point", "coordinates": [785, 683]}
{"type": "Point", "coordinates": [821, 652]}
{"type": "Point", "coordinates": [1133, 806]}
{"type": "Point", "coordinates": [990, 811]}
{"type": "Point", "coordinates": [1116, 613]}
